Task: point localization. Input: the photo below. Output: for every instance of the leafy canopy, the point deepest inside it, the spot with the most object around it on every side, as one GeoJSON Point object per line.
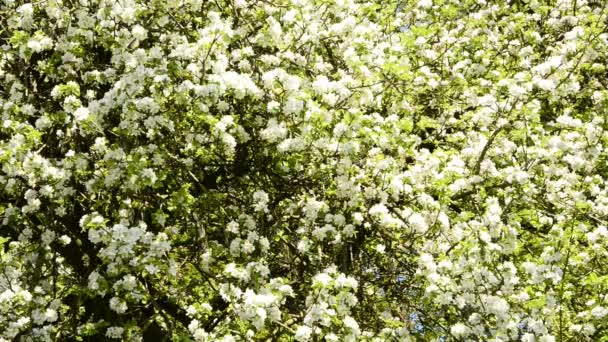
{"type": "Point", "coordinates": [308, 170]}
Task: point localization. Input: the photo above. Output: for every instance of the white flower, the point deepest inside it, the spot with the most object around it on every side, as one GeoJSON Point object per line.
{"type": "Point", "coordinates": [599, 312]}
{"type": "Point", "coordinates": [303, 246]}
{"type": "Point", "coordinates": [425, 3]}
{"type": "Point", "coordinates": [303, 333]}
{"type": "Point", "coordinates": [22, 321]}
{"type": "Point", "coordinates": [588, 329]}
{"type": "Point", "coordinates": [544, 84]}
{"type": "Point", "coordinates": [50, 315]}
{"type": "Point", "coordinates": [293, 106]}
{"type": "Point", "coordinates": [344, 281]}
{"type": "Point", "coordinates": [7, 295]}
{"type": "Point", "coordinates": [497, 306]}
{"type": "Point", "coordinates": [118, 305]}
{"type": "Point", "coordinates": [81, 114]}
{"type": "Point", "coordinates": [25, 10]}
{"type": "Point", "coordinates": [575, 33]}
{"type": "Point", "coordinates": [516, 91]}
{"type": "Point", "coordinates": [322, 279]}
{"type": "Point", "coordinates": [114, 332]}
{"type": "Point", "coordinates": [322, 85]}
{"type": "Point", "coordinates": [418, 222]}
{"type": "Point", "coordinates": [26, 295]}
{"type": "Point", "coordinates": [546, 338]}
{"type": "Point", "coordinates": [65, 240]}
{"type": "Point", "coordinates": [291, 83]}
{"type": "Point", "coordinates": [331, 337]}
{"type": "Point", "coordinates": [139, 32]}
{"type": "Point", "coordinates": [273, 106]}
{"type": "Point", "coordinates": [260, 199]}
{"type": "Point", "coordinates": [233, 227]}
{"type": "Point", "coordinates": [274, 131]}
{"type": "Point", "coordinates": [129, 282]}
{"type": "Point", "coordinates": [351, 324]}
{"type": "Point", "coordinates": [460, 330]}
{"type": "Point", "coordinates": [149, 174]}
{"type": "Point", "coordinates": [378, 209]}
{"type": "Point", "coordinates": [26, 13]}
{"type": "Point", "coordinates": [528, 337]}
{"type": "Point", "coordinates": [568, 121]}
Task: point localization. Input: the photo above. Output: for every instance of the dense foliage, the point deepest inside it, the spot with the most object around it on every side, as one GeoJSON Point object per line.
{"type": "Point", "coordinates": [308, 170]}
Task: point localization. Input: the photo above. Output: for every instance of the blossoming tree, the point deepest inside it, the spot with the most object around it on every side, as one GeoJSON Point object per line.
{"type": "Point", "coordinates": [308, 170]}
